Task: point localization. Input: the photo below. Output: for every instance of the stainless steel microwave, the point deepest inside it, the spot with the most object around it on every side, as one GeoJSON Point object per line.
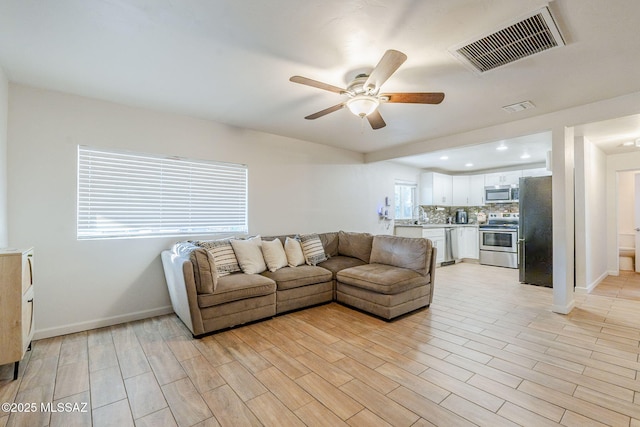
{"type": "Point", "coordinates": [500, 194]}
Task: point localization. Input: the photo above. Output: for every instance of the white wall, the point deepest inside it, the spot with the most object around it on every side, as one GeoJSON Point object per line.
{"type": "Point", "coordinates": [591, 230]}
{"type": "Point", "coordinates": [4, 111]}
{"type": "Point", "coordinates": [616, 163]}
{"type": "Point", "coordinates": [626, 202]}
{"type": "Point", "coordinates": [294, 186]}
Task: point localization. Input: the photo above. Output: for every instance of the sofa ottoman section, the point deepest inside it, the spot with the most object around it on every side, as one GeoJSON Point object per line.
{"type": "Point", "coordinates": [387, 306]}
{"type": "Point", "coordinates": [301, 286]}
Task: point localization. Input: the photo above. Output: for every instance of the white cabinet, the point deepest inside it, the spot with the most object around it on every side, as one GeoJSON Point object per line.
{"type": "Point", "coordinates": [435, 189]}
{"type": "Point", "coordinates": [473, 242]}
{"type": "Point", "coordinates": [467, 243]}
{"type": "Point", "coordinates": [436, 235]}
{"type": "Point", "coordinates": [460, 196]}
{"type": "Point", "coordinates": [16, 305]}
{"type": "Point", "coordinates": [536, 172]}
{"type": "Point", "coordinates": [503, 178]}
{"type": "Point", "coordinates": [468, 190]}
{"type": "Point", "coordinates": [476, 190]}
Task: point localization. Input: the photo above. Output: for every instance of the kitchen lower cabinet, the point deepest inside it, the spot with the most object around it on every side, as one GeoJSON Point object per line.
{"type": "Point", "coordinates": [472, 242]}
{"type": "Point", "coordinates": [467, 243]}
{"type": "Point", "coordinates": [436, 235]}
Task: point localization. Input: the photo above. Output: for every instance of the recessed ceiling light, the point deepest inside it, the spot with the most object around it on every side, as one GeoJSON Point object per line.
{"type": "Point", "coordinates": [525, 156]}
{"type": "Point", "coordinates": [468, 165]}
{"type": "Point", "coordinates": [444, 158]}
{"type": "Point", "coordinates": [501, 147]}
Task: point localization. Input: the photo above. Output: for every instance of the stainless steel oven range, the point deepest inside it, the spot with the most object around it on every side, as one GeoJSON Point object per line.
{"type": "Point", "coordinates": [499, 240]}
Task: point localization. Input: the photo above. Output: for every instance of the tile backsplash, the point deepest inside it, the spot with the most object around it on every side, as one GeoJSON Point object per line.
{"type": "Point", "coordinates": [439, 214]}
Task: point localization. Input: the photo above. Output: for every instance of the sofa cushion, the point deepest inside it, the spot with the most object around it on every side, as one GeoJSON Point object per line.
{"type": "Point", "coordinates": [405, 252]}
{"type": "Point", "coordinates": [237, 286]}
{"type": "Point", "coordinates": [292, 248]}
{"type": "Point", "coordinates": [340, 262]}
{"type": "Point", "coordinates": [223, 254]}
{"type": "Point", "coordinates": [294, 277]}
{"type": "Point", "coordinates": [204, 270]}
{"type": "Point", "coordinates": [357, 245]}
{"type": "Point", "coordinates": [382, 278]}
{"type": "Point", "coordinates": [330, 243]}
{"type": "Point", "coordinates": [312, 249]}
{"type": "Point", "coordinates": [249, 255]}
{"type": "Point", "coordinates": [274, 255]}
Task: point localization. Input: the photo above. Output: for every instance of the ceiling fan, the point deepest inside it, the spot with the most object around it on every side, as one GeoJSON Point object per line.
{"type": "Point", "coordinates": [364, 95]}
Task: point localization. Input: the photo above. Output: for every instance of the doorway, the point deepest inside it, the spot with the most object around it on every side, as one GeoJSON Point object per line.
{"type": "Point", "coordinates": [628, 220]}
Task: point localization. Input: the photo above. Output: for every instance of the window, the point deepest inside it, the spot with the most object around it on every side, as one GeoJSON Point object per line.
{"type": "Point", "coordinates": [405, 199]}
{"type": "Point", "coordinates": [122, 194]}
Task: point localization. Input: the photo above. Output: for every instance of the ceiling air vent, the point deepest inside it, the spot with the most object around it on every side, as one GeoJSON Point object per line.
{"type": "Point", "coordinates": [534, 33]}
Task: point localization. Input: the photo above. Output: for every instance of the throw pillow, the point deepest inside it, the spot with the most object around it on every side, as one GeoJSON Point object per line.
{"type": "Point", "coordinates": [292, 248]}
{"type": "Point", "coordinates": [249, 255]}
{"type": "Point", "coordinates": [312, 249]}
{"type": "Point", "coordinates": [274, 255]}
{"type": "Point", "coordinates": [223, 256]}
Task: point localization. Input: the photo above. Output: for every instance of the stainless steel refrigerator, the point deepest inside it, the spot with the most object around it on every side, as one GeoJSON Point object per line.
{"type": "Point", "coordinates": [535, 243]}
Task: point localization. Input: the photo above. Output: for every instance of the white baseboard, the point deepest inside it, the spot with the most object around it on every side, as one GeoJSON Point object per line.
{"type": "Point", "coordinates": [564, 309]}
{"type": "Point", "coordinates": [99, 323]}
{"type": "Point", "coordinates": [591, 286]}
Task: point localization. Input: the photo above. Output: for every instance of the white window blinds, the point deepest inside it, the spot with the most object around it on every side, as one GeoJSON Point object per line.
{"type": "Point", "coordinates": [123, 194]}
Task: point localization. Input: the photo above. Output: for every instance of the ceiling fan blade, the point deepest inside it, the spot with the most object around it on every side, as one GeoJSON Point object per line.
{"type": "Point", "coordinates": [325, 111]}
{"type": "Point", "coordinates": [315, 83]}
{"type": "Point", "coordinates": [414, 98]}
{"type": "Point", "coordinates": [375, 120]}
{"type": "Point", "coordinates": [389, 63]}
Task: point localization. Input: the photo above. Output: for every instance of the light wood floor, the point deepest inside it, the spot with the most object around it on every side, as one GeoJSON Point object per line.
{"type": "Point", "coordinates": [488, 352]}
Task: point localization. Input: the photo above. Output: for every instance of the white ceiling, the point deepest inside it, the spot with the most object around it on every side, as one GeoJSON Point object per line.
{"type": "Point", "coordinates": [230, 60]}
{"type": "Point", "coordinates": [522, 152]}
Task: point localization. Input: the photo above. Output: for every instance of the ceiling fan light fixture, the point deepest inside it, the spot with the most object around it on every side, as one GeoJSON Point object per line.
{"type": "Point", "coordinates": [363, 105]}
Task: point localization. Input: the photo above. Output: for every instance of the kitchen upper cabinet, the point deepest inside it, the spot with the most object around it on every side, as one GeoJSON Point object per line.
{"type": "Point", "coordinates": [536, 172]}
{"type": "Point", "coordinates": [503, 178]}
{"type": "Point", "coordinates": [468, 190]}
{"type": "Point", "coordinates": [436, 189]}
{"type": "Point", "coordinates": [460, 196]}
{"type": "Point", "coordinates": [476, 190]}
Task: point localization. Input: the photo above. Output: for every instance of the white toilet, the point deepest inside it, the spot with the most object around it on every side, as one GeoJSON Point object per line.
{"type": "Point", "coordinates": [627, 252]}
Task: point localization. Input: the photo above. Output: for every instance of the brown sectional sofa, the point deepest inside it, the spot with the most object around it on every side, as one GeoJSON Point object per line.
{"type": "Point", "coordinates": [384, 275]}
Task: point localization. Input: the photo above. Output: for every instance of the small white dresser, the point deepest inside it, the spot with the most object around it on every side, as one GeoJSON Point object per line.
{"type": "Point", "coordinates": [16, 305]}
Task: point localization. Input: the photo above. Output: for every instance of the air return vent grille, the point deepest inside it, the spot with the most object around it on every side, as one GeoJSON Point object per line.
{"type": "Point", "coordinates": [535, 33]}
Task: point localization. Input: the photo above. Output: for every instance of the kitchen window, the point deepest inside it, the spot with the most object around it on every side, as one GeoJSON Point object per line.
{"type": "Point", "coordinates": [405, 199]}
{"type": "Point", "coordinates": [124, 194]}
